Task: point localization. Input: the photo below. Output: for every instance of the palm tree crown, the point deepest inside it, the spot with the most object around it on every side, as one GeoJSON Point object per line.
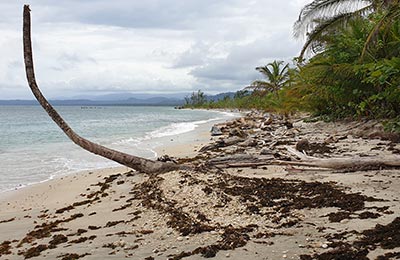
{"type": "Point", "coordinates": [276, 77]}
{"type": "Point", "coordinates": [321, 16]}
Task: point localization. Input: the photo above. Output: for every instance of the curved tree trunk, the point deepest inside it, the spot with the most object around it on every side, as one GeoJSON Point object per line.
{"type": "Point", "coordinates": [134, 162]}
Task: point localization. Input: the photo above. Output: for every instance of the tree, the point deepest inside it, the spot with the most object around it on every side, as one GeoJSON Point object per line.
{"type": "Point", "coordinates": [338, 84]}
{"type": "Point", "coordinates": [321, 17]}
{"type": "Point", "coordinates": [276, 76]}
{"type": "Point", "coordinates": [241, 94]}
{"type": "Point", "coordinates": [197, 99]}
{"type": "Point", "coordinates": [134, 162]}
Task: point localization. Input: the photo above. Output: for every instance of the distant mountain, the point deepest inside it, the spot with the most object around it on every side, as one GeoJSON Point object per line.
{"type": "Point", "coordinates": [160, 101]}
{"type": "Point", "coordinates": [116, 99]}
{"type": "Point", "coordinates": [220, 96]}
{"type": "Point", "coordinates": [18, 102]}
{"type": "Point", "coordinates": [128, 95]}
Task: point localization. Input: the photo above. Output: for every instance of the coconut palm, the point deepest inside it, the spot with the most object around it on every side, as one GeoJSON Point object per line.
{"type": "Point", "coordinates": [322, 16]}
{"type": "Point", "coordinates": [276, 76]}
{"type": "Point", "coordinates": [134, 162]}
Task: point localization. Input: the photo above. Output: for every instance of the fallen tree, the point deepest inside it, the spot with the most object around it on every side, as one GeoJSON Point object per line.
{"type": "Point", "coordinates": [298, 158]}
{"type": "Point", "coordinates": [343, 163]}
{"type": "Point", "coordinates": [137, 163]}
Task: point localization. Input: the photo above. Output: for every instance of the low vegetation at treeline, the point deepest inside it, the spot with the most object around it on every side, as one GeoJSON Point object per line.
{"type": "Point", "coordinates": [349, 66]}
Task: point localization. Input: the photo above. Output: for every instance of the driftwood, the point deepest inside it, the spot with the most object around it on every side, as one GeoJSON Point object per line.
{"type": "Point", "coordinates": [222, 143]}
{"type": "Point", "coordinates": [134, 162]}
{"type": "Point", "coordinates": [343, 163]}
{"type": "Point", "coordinates": [245, 164]}
{"type": "Point", "coordinates": [235, 157]}
{"type": "Point", "coordinates": [354, 163]}
{"type": "Point", "coordinates": [240, 160]}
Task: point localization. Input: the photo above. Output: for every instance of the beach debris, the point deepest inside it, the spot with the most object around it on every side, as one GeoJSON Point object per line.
{"type": "Point", "coordinates": [237, 132]}
{"type": "Point", "coordinates": [72, 256]}
{"type": "Point", "coordinates": [231, 158]}
{"type": "Point", "coordinates": [34, 251]}
{"type": "Point", "coordinates": [7, 220]}
{"type": "Point", "coordinates": [229, 141]}
{"type": "Point", "coordinates": [353, 163]}
{"type": "Point", "coordinates": [57, 239]}
{"type": "Point", "coordinates": [384, 236]}
{"type": "Point", "coordinates": [5, 248]}
{"type": "Point", "coordinates": [302, 145]}
{"type": "Point", "coordinates": [249, 142]}
{"type": "Point", "coordinates": [82, 239]}
{"type": "Point", "coordinates": [46, 229]}
{"type": "Point", "coordinates": [167, 158]}
{"type": "Point", "coordinates": [215, 131]}
{"type": "Point", "coordinates": [113, 223]}
{"type": "Point", "coordinates": [223, 142]}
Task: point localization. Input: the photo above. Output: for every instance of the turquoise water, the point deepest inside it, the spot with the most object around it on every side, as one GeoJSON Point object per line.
{"type": "Point", "coordinates": [34, 149]}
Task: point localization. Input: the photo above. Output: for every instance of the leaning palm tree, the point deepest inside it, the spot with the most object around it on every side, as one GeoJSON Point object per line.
{"type": "Point", "coordinates": [276, 77]}
{"type": "Point", "coordinates": [134, 162]}
{"type": "Point", "coordinates": [322, 16]}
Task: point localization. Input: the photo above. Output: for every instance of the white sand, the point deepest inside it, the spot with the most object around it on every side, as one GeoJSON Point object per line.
{"type": "Point", "coordinates": [146, 230]}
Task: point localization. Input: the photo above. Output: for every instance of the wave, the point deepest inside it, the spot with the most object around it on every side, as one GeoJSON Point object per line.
{"type": "Point", "coordinates": [173, 129]}
{"type": "Point", "coordinates": [229, 114]}
{"type": "Point", "coordinates": [169, 130]}
{"type": "Point", "coordinates": [177, 128]}
{"type": "Point", "coordinates": [129, 141]}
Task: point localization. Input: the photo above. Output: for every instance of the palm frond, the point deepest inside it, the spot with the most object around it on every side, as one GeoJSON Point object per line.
{"type": "Point", "coordinates": [392, 15]}
{"type": "Point", "coordinates": [265, 71]}
{"type": "Point", "coordinates": [261, 86]}
{"type": "Point", "coordinates": [324, 25]}
{"type": "Point", "coordinates": [325, 9]}
{"type": "Point", "coordinates": [284, 73]}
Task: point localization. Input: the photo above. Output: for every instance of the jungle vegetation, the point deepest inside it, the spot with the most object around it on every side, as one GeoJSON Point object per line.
{"type": "Point", "coordinates": [349, 66]}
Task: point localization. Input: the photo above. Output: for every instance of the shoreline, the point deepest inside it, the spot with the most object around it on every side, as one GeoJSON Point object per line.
{"type": "Point", "coordinates": [187, 144]}
{"type": "Point", "coordinates": [217, 211]}
{"type": "Point", "coordinates": [182, 145]}
{"type": "Point", "coordinates": [166, 144]}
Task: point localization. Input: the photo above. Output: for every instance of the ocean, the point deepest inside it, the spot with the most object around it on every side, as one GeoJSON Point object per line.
{"type": "Point", "coordinates": [33, 149]}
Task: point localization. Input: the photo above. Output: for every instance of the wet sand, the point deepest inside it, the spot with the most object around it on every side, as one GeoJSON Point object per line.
{"type": "Point", "coordinates": [258, 212]}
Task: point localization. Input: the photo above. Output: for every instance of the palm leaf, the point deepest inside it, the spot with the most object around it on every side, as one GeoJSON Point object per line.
{"type": "Point", "coordinates": [334, 22]}
{"type": "Point", "coordinates": [386, 21]}
{"type": "Point", "coordinates": [325, 9]}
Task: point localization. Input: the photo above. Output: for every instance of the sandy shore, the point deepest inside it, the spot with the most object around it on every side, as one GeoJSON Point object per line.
{"type": "Point", "coordinates": [259, 212]}
{"type": "Point", "coordinates": [187, 144]}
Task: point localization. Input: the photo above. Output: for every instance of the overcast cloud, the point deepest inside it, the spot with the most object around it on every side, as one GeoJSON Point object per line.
{"type": "Point", "coordinates": [154, 46]}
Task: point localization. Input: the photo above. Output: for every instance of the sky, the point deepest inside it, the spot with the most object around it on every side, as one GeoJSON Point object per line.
{"type": "Point", "coordinates": [96, 47]}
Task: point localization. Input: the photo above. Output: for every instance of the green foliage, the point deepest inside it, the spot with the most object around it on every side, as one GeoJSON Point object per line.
{"type": "Point", "coordinates": [343, 85]}
{"type": "Point", "coordinates": [276, 78]}
{"type": "Point", "coordinates": [289, 100]}
{"type": "Point", "coordinates": [197, 99]}
{"type": "Point", "coordinates": [322, 18]}
{"type": "Point", "coordinates": [393, 125]}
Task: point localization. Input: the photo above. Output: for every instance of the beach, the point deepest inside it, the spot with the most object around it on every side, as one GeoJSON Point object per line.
{"type": "Point", "coordinates": [33, 149]}
{"type": "Point", "coordinates": [232, 203]}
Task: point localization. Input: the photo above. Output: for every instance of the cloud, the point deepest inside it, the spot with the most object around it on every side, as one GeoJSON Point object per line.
{"type": "Point", "coordinates": [237, 69]}
{"type": "Point", "coordinates": [194, 56]}
{"type": "Point", "coordinates": [140, 46]}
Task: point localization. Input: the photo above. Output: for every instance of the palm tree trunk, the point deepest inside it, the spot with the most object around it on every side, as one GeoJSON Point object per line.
{"type": "Point", "coordinates": [134, 162]}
